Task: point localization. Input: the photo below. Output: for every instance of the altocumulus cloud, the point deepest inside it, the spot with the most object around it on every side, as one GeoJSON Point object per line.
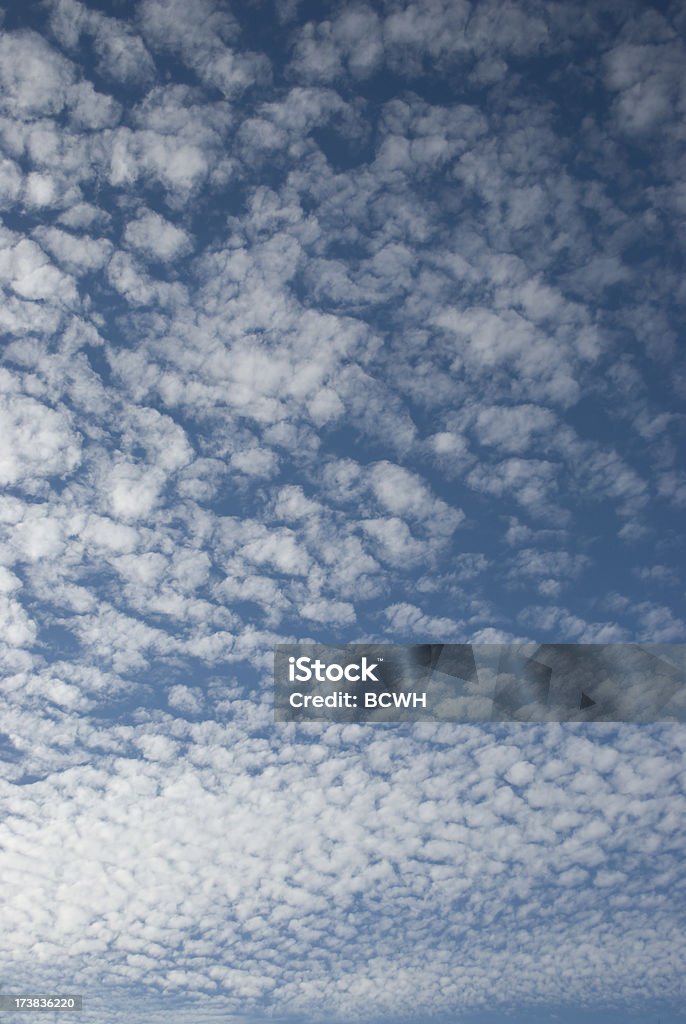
{"type": "Point", "coordinates": [351, 321]}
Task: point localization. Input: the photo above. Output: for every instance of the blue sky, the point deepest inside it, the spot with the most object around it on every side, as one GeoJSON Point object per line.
{"type": "Point", "coordinates": [338, 322]}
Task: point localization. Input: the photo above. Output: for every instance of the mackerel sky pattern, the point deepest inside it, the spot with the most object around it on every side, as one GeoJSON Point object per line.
{"type": "Point", "coordinates": [336, 322]}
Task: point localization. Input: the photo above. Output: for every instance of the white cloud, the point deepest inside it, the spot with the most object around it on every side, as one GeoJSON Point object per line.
{"type": "Point", "coordinates": [78, 254]}
{"type": "Point", "coordinates": [256, 462]}
{"type": "Point", "coordinates": [156, 238]}
{"type": "Point", "coordinates": [329, 613]}
{"type": "Point", "coordinates": [37, 441]}
{"type": "Point", "coordinates": [404, 493]}
{"type": "Point", "coordinates": [133, 490]}
{"type": "Point", "coordinates": [532, 481]}
{"type": "Point", "coordinates": [29, 274]}
{"type": "Point", "coordinates": [200, 36]}
{"type": "Point", "coordinates": [10, 181]}
{"type": "Point", "coordinates": [411, 625]}
{"type": "Point", "coordinates": [394, 541]}
{"type": "Point", "coordinates": [91, 110]}
{"type": "Point", "coordinates": [39, 190]}
{"type": "Point", "coordinates": [513, 429]}
{"type": "Point", "coordinates": [34, 77]}
{"type": "Point", "coordinates": [186, 699]}
{"type": "Point", "coordinates": [648, 82]}
{"type": "Point", "coordinates": [18, 630]}
{"type": "Point", "coordinates": [192, 841]}
{"type": "Point", "coordinates": [521, 773]}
